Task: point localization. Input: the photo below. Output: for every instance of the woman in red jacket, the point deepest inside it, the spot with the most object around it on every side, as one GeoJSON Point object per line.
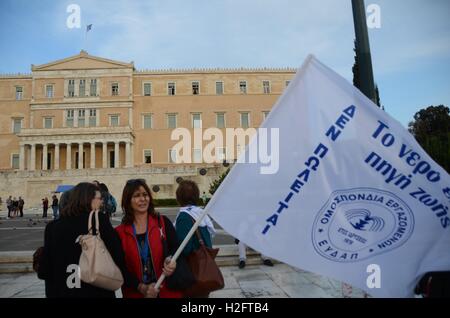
{"type": "Point", "coordinates": [142, 233]}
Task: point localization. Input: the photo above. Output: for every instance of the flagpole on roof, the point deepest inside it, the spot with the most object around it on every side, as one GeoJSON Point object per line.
{"type": "Point", "coordinates": [363, 50]}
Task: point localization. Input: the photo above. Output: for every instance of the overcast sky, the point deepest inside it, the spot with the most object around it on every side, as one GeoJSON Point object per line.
{"type": "Point", "coordinates": [411, 50]}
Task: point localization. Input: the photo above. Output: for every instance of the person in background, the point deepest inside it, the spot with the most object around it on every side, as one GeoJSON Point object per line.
{"type": "Point", "coordinates": [243, 255]}
{"type": "Point", "coordinates": [109, 202]}
{"type": "Point", "coordinates": [21, 204]}
{"type": "Point", "coordinates": [55, 205]}
{"type": "Point", "coordinates": [15, 207]}
{"type": "Point", "coordinates": [9, 206]}
{"type": "Point", "coordinates": [188, 196]}
{"type": "Point", "coordinates": [44, 207]}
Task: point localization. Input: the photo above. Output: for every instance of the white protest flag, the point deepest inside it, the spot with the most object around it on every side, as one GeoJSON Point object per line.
{"type": "Point", "coordinates": [353, 189]}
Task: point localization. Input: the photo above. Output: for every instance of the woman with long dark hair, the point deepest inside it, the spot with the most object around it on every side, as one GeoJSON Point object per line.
{"type": "Point", "coordinates": [61, 252]}
{"type": "Point", "coordinates": [144, 235]}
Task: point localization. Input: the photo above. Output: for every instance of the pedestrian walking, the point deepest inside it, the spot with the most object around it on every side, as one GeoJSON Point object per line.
{"type": "Point", "coordinates": [21, 204]}
{"type": "Point", "coordinates": [44, 207]}
{"type": "Point", "coordinates": [55, 204]}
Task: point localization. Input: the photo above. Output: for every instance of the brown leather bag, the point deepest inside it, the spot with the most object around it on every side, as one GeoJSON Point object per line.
{"type": "Point", "coordinates": [208, 276]}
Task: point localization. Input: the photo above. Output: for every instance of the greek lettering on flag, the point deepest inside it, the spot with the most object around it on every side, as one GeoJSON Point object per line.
{"type": "Point", "coordinates": [353, 191]}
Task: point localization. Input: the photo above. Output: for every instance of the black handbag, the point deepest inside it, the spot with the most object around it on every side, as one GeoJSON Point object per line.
{"type": "Point", "coordinates": [182, 278]}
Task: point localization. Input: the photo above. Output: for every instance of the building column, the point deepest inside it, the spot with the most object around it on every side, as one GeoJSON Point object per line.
{"type": "Point", "coordinates": [22, 158]}
{"type": "Point", "coordinates": [69, 156]}
{"type": "Point", "coordinates": [92, 155]}
{"type": "Point", "coordinates": [116, 154]}
{"type": "Point", "coordinates": [80, 155]}
{"type": "Point", "coordinates": [56, 165]}
{"type": "Point", "coordinates": [44, 156]}
{"type": "Point", "coordinates": [33, 157]}
{"type": "Point", "coordinates": [105, 155]}
{"type": "Point", "coordinates": [127, 154]}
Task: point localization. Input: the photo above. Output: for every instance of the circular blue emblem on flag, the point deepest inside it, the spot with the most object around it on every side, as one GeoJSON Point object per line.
{"type": "Point", "coordinates": [356, 224]}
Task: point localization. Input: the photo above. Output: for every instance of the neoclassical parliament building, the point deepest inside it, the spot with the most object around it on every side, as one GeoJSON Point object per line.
{"type": "Point", "coordinates": [87, 118]}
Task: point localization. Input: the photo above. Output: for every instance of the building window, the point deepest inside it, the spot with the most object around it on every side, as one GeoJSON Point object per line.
{"type": "Point", "coordinates": [245, 120]}
{"type": "Point", "coordinates": [220, 154]}
{"type": "Point", "coordinates": [147, 156]}
{"type": "Point", "coordinates": [171, 121]}
{"type": "Point", "coordinates": [49, 91]}
{"type": "Point", "coordinates": [93, 87]}
{"type": "Point", "coordinates": [71, 88]}
{"type": "Point", "coordinates": [219, 88]}
{"type": "Point", "coordinates": [243, 87]}
{"type": "Point", "coordinates": [171, 88]}
{"type": "Point", "coordinates": [114, 120]}
{"type": "Point", "coordinates": [172, 156]}
{"type": "Point", "coordinates": [220, 120]}
{"type": "Point", "coordinates": [147, 89]}
{"type": "Point", "coordinates": [48, 122]}
{"type": "Point", "coordinates": [266, 87]}
{"type": "Point", "coordinates": [81, 118]}
{"type": "Point", "coordinates": [265, 114]}
{"type": "Point", "coordinates": [69, 118]}
{"type": "Point", "coordinates": [195, 88]}
{"type": "Point", "coordinates": [17, 125]}
{"type": "Point", "coordinates": [82, 88]}
{"type": "Point", "coordinates": [147, 121]}
{"type": "Point", "coordinates": [196, 120]}
{"type": "Point", "coordinates": [197, 155]}
{"type": "Point", "coordinates": [92, 117]}
{"type": "Point", "coordinates": [15, 161]}
{"type": "Point", "coordinates": [115, 89]}
{"type": "Point", "coordinates": [287, 83]}
{"type": "Point", "coordinates": [19, 92]}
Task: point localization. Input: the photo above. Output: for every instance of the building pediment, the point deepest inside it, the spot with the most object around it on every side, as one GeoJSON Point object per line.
{"type": "Point", "coordinates": [82, 61]}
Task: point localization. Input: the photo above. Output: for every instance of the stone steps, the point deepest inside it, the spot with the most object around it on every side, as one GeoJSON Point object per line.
{"type": "Point", "coordinates": [22, 261]}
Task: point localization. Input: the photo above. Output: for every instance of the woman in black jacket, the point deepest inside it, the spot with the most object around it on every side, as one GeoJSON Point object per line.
{"type": "Point", "coordinates": [60, 250]}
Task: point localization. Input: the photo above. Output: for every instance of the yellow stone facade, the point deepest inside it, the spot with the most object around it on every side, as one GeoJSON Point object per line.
{"type": "Point", "coordinates": [115, 114]}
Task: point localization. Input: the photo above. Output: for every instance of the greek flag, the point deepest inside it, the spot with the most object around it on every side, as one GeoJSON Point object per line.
{"type": "Point", "coordinates": [355, 197]}
{"type": "Point", "coordinates": [88, 27]}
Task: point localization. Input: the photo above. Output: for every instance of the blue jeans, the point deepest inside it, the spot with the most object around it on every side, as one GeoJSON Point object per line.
{"type": "Point", "coordinates": [55, 212]}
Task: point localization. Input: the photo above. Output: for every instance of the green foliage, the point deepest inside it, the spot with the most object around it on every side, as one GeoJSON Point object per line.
{"type": "Point", "coordinates": [165, 202]}
{"type": "Point", "coordinates": [431, 128]}
{"type": "Point", "coordinates": [216, 183]}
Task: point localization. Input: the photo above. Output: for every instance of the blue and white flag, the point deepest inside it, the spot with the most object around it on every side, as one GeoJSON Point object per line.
{"type": "Point", "coordinates": [354, 192]}
{"type": "Point", "coordinates": [88, 27]}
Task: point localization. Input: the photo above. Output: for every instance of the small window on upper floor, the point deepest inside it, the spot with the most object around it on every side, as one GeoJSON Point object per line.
{"type": "Point", "coordinates": [19, 92]}
{"type": "Point", "coordinates": [69, 117]}
{"type": "Point", "coordinates": [81, 118]}
{"type": "Point", "coordinates": [82, 88]}
{"type": "Point", "coordinates": [93, 87]}
{"type": "Point", "coordinates": [92, 117]}
{"type": "Point", "coordinates": [71, 88]}
{"type": "Point", "coordinates": [147, 121]}
{"type": "Point", "coordinates": [171, 88]}
{"type": "Point", "coordinates": [48, 122]}
{"type": "Point", "coordinates": [171, 121]}
{"type": "Point", "coordinates": [196, 120]}
{"type": "Point", "coordinates": [220, 120]}
{"type": "Point", "coordinates": [245, 120]}
{"type": "Point", "coordinates": [115, 89]}
{"type": "Point", "coordinates": [17, 125]}
{"type": "Point", "coordinates": [49, 91]}
{"type": "Point", "coordinates": [147, 156]}
{"type": "Point", "coordinates": [147, 89]}
{"type": "Point", "coordinates": [243, 87]}
{"type": "Point", "coordinates": [266, 87]}
{"type": "Point", "coordinates": [15, 161]}
{"type": "Point", "coordinates": [114, 120]}
{"type": "Point", "coordinates": [219, 88]}
{"type": "Point", "coordinates": [195, 88]}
